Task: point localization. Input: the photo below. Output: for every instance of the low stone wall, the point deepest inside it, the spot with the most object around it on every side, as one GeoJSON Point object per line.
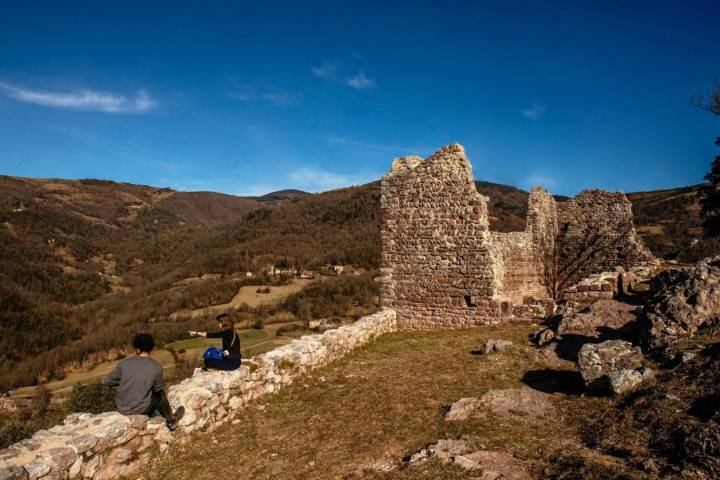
{"type": "Point", "coordinates": [110, 444]}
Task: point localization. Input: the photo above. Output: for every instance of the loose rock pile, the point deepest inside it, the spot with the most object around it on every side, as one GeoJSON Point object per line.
{"type": "Point", "coordinates": [110, 445]}
{"type": "Point", "coordinates": [489, 465]}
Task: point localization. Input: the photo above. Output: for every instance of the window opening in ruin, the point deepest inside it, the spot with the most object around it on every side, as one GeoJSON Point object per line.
{"type": "Point", "coordinates": [469, 302]}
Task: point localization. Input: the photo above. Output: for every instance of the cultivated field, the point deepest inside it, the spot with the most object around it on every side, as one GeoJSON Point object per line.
{"type": "Point", "coordinates": [248, 295]}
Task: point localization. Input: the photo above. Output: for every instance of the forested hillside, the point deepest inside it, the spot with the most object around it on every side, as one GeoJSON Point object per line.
{"type": "Point", "coordinates": [86, 263]}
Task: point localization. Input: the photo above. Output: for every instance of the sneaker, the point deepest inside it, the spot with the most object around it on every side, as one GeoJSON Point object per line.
{"type": "Point", "coordinates": [173, 422]}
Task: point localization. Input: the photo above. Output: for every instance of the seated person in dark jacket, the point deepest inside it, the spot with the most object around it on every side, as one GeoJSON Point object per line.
{"type": "Point", "coordinates": [230, 344]}
{"type": "Point", "coordinates": [139, 382]}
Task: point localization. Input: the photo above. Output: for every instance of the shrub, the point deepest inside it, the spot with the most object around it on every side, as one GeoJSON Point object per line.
{"type": "Point", "coordinates": [286, 364]}
{"type": "Point", "coordinates": [258, 323]}
{"type": "Point", "coordinates": [91, 398]}
{"type": "Point", "coordinates": [289, 328]}
{"type": "Point", "coordinates": [10, 434]}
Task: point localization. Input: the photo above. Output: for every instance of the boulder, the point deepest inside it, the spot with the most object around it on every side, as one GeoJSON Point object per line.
{"type": "Point", "coordinates": [492, 345]}
{"type": "Point", "coordinates": [625, 380]}
{"type": "Point", "coordinates": [447, 449]}
{"type": "Point", "coordinates": [543, 336]}
{"type": "Point", "coordinates": [462, 409]}
{"type": "Point", "coordinates": [601, 316]}
{"type": "Point", "coordinates": [521, 404]}
{"type": "Point", "coordinates": [597, 361]}
{"type": "Point", "coordinates": [685, 300]}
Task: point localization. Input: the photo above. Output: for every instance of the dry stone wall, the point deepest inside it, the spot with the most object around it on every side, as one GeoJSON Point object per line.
{"type": "Point", "coordinates": [111, 445]}
{"type": "Point", "coordinates": [443, 267]}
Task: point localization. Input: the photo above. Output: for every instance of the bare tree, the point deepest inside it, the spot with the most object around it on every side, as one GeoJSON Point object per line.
{"type": "Point", "coordinates": [710, 202]}
{"type": "Point", "coordinates": [709, 102]}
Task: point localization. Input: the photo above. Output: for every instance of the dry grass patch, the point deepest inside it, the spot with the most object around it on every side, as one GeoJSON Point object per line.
{"type": "Point", "coordinates": [386, 400]}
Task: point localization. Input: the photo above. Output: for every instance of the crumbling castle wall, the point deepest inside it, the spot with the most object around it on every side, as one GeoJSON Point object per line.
{"type": "Point", "coordinates": [444, 268]}
{"type": "Point", "coordinates": [437, 261]}
{"type": "Point", "coordinates": [523, 260]}
{"type": "Point", "coordinates": [595, 234]}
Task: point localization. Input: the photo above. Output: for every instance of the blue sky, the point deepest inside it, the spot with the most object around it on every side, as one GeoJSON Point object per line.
{"type": "Point", "coordinates": [251, 97]}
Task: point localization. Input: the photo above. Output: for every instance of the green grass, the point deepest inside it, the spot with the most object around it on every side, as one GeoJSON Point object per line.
{"type": "Point", "coordinates": [385, 399]}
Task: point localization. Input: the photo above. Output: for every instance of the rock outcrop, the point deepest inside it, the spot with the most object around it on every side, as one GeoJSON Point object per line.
{"type": "Point", "coordinates": [486, 464]}
{"type": "Point", "coordinates": [598, 361]}
{"type": "Point", "coordinates": [685, 300]}
{"type": "Point", "coordinates": [111, 445]}
{"type": "Point", "coordinates": [523, 404]}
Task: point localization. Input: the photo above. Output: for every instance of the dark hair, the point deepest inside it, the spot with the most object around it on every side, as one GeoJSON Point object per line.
{"type": "Point", "coordinates": [144, 342]}
{"type": "Point", "coordinates": [224, 320]}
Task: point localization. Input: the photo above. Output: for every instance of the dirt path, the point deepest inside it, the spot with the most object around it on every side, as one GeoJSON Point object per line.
{"type": "Point", "coordinates": [248, 295]}
{"type": "Point", "coordinates": [386, 401]}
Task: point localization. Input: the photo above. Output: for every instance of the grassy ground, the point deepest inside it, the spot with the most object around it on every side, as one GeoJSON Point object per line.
{"type": "Point", "coordinates": [386, 399]}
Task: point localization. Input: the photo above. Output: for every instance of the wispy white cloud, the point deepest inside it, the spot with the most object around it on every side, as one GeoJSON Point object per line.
{"type": "Point", "coordinates": [88, 100]}
{"type": "Point", "coordinates": [279, 98]}
{"type": "Point", "coordinates": [325, 70]}
{"type": "Point", "coordinates": [534, 112]}
{"type": "Point", "coordinates": [317, 179]}
{"type": "Point", "coordinates": [356, 55]}
{"type": "Point", "coordinates": [307, 178]}
{"type": "Point", "coordinates": [538, 181]}
{"type": "Point", "coordinates": [230, 186]}
{"type": "Point", "coordinates": [360, 81]}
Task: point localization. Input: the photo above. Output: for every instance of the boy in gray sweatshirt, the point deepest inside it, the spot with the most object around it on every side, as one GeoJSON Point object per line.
{"type": "Point", "coordinates": [139, 382]}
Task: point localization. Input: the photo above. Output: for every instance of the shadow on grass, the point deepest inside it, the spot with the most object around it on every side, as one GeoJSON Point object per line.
{"type": "Point", "coordinates": [555, 381]}
{"type": "Point", "coordinates": [569, 344]}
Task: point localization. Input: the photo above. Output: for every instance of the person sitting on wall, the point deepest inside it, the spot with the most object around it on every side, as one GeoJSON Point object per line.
{"type": "Point", "coordinates": [231, 355]}
{"type": "Point", "coordinates": [139, 382]}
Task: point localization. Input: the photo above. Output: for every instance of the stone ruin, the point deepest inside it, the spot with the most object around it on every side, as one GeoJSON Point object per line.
{"type": "Point", "coordinates": [444, 268]}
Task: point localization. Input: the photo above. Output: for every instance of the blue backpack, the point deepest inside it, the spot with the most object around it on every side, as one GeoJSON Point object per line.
{"type": "Point", "coordinates": [213, 353]}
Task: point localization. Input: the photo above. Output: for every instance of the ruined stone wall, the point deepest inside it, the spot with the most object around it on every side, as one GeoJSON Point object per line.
{"type": "Point", "coordinates": [437, 266]}
{"type": "Point", "coordinates": [523, 260]}
{"type": "Point", "coordinates": [596, 234]}
{"type": "Point", "coordinates": [111, 445]}
{"type": "Point", "coordinates": [443, 268]}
